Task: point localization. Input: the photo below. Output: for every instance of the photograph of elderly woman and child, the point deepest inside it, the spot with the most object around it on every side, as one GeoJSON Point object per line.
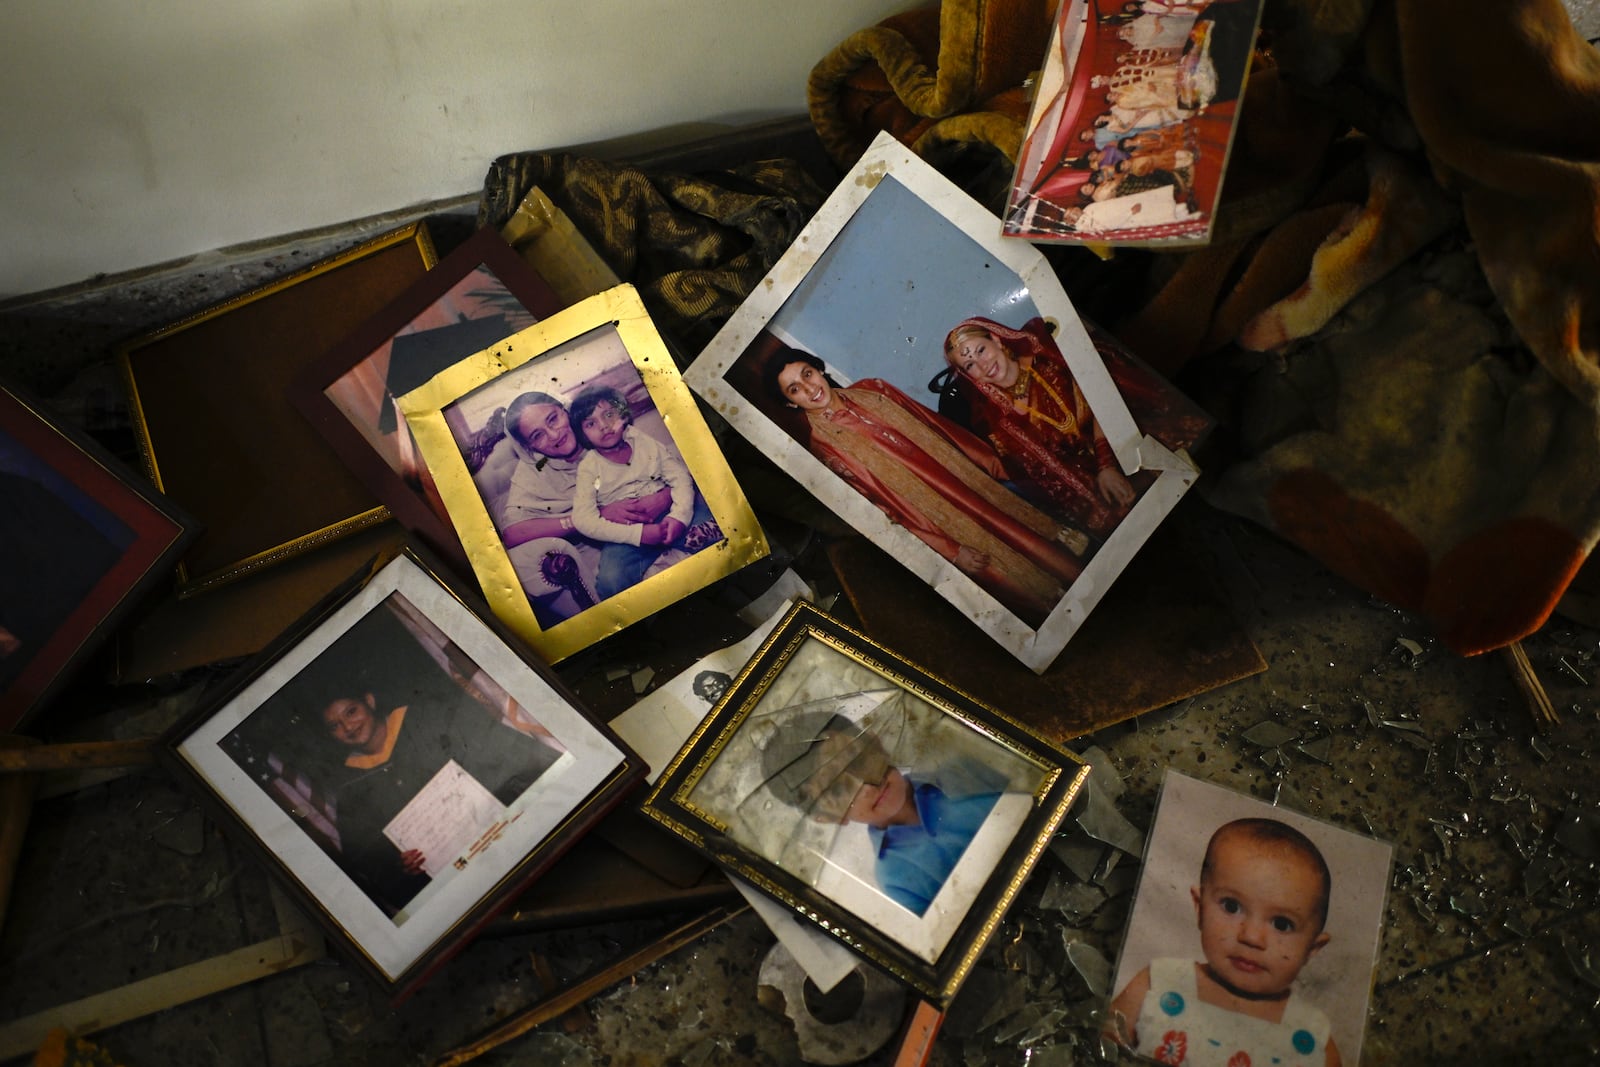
{"type": "Point", "coordinates": [1132, 122]}
{"type": "Point", "coordinates": [980, 437]}
{"type": "Point", "coordinates": [585, 485]}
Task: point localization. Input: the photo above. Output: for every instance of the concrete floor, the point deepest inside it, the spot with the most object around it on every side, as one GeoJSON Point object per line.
{"type": "Point", "coordinates": [1482, 960]}
{"type": "Point", "coordinates": [1489, 924]}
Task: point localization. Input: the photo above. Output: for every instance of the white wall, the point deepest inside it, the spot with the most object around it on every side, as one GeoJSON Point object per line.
{"type": "Point", "coordinates": [135, 133]}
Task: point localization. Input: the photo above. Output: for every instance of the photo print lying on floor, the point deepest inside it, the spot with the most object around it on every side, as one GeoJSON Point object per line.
{"type": "Point", "coordinates": [1253, 936]}
{"type": "Point", "coordinates": [931, 384]}
{"type": "Point", "coordinates": [1132, 122]}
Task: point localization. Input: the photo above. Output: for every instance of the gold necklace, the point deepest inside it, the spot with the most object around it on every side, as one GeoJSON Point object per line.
{"type": "Point", "coordinates": [1067, 425]}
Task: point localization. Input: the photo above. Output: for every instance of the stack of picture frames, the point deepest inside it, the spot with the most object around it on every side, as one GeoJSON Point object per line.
{"type": "Point", "coordinates": [403, 764]}
{"type": "Point", "coordinates": [403, 756]}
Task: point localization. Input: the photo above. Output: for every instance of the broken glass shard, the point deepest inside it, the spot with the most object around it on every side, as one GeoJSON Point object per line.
{"type": "Point", "coordinates": [1578, 833]}
{"type": "Point", "coordinates": [1468, 902]}
{"type": "Point", "coordinates": [1033, 1024]}
{"type": "Point", "coordinates": [1403, 724]}
{"type": "Point", "coordinates": [1101, 820]}
{"type": "Point", "coordinates": [1103, 772]}
{"type": "Point", "coordinates": [1052, 1056]}
{"type": "Point", "coordinates": [1073, 901]}
{"type": "Point", "coordinates": [1537, 874]}
{"type": "Point", "coordinates": [1091, 965]}
{"type": "Point", "coordinates": [1318, 748]}
{"type": "Point", "coordinates": [1270, 734]}
{"type": "Point", "coordinates": [1079, 853]}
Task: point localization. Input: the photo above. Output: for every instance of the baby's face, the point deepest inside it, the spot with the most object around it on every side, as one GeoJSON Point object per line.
{"type": "Point", "coordinates": [1258, 915]}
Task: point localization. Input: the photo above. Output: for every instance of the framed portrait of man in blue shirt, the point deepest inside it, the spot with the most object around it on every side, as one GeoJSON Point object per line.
{"type": "Point", "coordinates": [859, 788]}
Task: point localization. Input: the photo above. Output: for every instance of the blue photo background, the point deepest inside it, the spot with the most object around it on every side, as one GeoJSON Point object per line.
{"type": "Point", "coordinates": [896, 280]}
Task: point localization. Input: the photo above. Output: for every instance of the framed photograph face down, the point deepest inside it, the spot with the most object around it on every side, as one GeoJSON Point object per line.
{"type": "Point", "coordinates": [479, 294]}
{"type": "Point", "coordinates": [870, 797]}
{"type": "Point", "coordinates": [1254, 930]}
{"type": "Point", "coordinates": [208, 397]}
{"type": "Point", "coordinates": [582, 481]}
{"type": "Point", "coordinates": [81, 539]}
{"type": "Point", "coordinates": [401, 768]}
{"type": "Point", "coordinates": [931, 384]}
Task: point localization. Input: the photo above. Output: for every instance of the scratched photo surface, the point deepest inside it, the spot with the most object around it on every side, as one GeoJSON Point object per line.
{"type": "Point", "coordinates": [393, 741]}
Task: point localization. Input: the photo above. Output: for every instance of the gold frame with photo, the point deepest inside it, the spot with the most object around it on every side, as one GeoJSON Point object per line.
{"type": "Point", "coordinates": [538, 356]}
{"type": "Point", "coordinates": [719, 795]}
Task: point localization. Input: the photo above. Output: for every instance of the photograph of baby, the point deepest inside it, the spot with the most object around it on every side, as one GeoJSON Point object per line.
{"type": "Point", "coordinates": [894, 808]}
{"type": "Point", "coordinates": [577, 470]}
{"type": "Point", "coordinates": [1253, 935]}
{"type": "Point", "coordinates": [395, 753]}
{"type": "Point", "coordinates": [937, 390]}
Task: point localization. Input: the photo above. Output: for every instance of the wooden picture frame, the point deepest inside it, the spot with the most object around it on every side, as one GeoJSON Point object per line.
{"type": "Point", "coordinates": [476, 296]}
{"type": "Point", "coordinates": [208, 400]}
{"type": "Point", "coordinates": [823, 730]}
{"type": "Point", "coordinates": [552, 564]}
{"type": "Point", "coordinates": [401, 766]}
{"type": "Point", "coordinates": [1019, 509]}
{"type": "Point", "coordinates": [84, 539]}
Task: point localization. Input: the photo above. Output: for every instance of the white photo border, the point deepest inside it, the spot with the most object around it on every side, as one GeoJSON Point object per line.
{"type": "Point", "coordinates": [1188, 811]}
{"type": "Point", "coordinates": [591, 760]}
{"type": "Point", "coordinates": [707, 376]}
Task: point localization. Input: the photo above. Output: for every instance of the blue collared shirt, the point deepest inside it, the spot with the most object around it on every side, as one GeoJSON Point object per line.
{"type": "Point", "coordinates": [914, 861]}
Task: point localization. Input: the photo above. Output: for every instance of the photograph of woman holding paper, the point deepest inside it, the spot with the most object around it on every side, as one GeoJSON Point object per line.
{"type": "Point", "coordinates": [397, 759]}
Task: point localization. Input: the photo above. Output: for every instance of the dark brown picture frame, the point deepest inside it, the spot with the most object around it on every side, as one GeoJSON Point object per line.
{"type": "Point", "coordinates": [400, 348]}
{"type": "Point", "coordinates": [64, 490]}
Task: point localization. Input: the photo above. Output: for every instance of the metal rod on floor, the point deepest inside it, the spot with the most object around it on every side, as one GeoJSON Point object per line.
{"type": "Point", "coordinates": [596, 983]}
{"type": "Point", "coordinates": [1533, 692]}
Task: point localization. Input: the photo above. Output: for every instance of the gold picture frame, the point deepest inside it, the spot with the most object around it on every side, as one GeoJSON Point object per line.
{"type": "Point", "coordinates": [562, 590]}
{"type": "Point", "coordinates": [216, 432]}
{"type": "Point", "coordinates": [823, 730]}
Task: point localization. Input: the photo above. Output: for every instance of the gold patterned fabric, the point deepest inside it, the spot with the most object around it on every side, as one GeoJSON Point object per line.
{"type": "Point", "coordinates": [694, 246]}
